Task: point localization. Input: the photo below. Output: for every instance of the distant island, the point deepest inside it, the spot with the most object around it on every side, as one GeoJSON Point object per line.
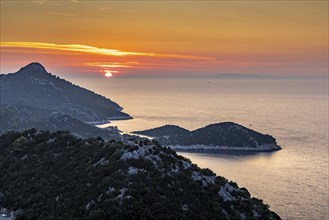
{"type": "Point", "coordinates": [243, 76]}
{"type": "Point", "coordinates": [220, 136]}
{"type": "Point", "coordinates": [55, 175]}
{"type": "Point", "coordinates": [240, 76]}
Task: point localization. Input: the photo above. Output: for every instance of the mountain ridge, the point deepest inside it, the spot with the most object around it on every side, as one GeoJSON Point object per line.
{"type": "Point", "coordinates": [32, 85]}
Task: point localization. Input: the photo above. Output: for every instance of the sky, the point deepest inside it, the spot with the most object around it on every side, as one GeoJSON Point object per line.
{"type": "Point", "coordinates": [90, 39]}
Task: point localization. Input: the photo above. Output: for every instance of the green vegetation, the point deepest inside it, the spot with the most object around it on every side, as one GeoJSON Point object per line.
{"type": "Point", "coordinates": [55, 175]}
{"type": "Point", "coordinates": [19, 118]}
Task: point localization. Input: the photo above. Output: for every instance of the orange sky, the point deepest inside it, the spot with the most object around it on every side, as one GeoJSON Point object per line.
{"type": "Point", "coordinates": [185, 38]}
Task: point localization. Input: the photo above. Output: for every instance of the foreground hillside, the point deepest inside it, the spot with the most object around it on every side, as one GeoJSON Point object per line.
{"type": "Point", "coordinates": [58, 176]}
{"type": "Point", "coordinates": [220, 136]}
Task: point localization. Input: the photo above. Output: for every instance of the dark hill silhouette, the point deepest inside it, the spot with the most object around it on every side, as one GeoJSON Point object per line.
{"type": "Point", "coordinates": [33, 86]}
{"type": "Point", "coordinates": [21, 117]}
{"type": "Point", "coordinates": [225, 135]}
{"type": "Point", "coordinates": [166, 130]}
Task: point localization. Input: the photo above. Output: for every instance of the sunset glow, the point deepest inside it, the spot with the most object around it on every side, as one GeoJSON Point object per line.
{"type": "Point", "coordinates": [155, 109]}
{"type": "Point", "coordinates": [285, 38]}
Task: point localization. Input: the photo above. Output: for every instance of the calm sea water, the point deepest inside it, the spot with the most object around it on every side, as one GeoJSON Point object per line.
{"type": "Point", "coordinates": [293, 181]}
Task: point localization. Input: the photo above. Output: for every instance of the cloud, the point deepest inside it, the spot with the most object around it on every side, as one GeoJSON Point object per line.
{"type": "Point", "coordinates": [40, 2]}
{"type": "Point", "coordinates": [112, 64]}
{"type": "Point", "coordinates": [96, 50]}
{"type": "Point", "coordinates": [100, 60]}
{"type": "Point", "coordinates": [72, 47]}
{"type": "Point", "coordinates": [60, 14]}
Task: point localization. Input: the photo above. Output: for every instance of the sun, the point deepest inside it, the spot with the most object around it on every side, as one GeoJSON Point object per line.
{"type": "Point", "coordinates": [108, 73]}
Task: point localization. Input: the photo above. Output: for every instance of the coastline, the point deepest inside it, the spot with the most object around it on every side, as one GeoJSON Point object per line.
{"type": "Point", "coordinates": [108, 121]}
{"type": "Point", "coordinates": [213, 148]}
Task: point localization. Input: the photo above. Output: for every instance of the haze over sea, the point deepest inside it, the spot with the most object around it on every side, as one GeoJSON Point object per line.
{"type": "Point", "coordinates": [293, 181]}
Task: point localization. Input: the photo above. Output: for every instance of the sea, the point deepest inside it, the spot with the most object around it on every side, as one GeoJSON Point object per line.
{"type": "Point", "coordinates": [292, 181]}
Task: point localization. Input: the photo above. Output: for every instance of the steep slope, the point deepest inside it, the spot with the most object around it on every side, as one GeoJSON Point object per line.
{"type": "Point", "coordinates": [21, 117]}
{"type": "Point", "coordinates": [220, 136]}
{"type": "Point", "coordinates": [33, 86]}
{"type": "Point", "coordinates": [58, 176]}
{"type": "Point", "coordinates": [59, 121]}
